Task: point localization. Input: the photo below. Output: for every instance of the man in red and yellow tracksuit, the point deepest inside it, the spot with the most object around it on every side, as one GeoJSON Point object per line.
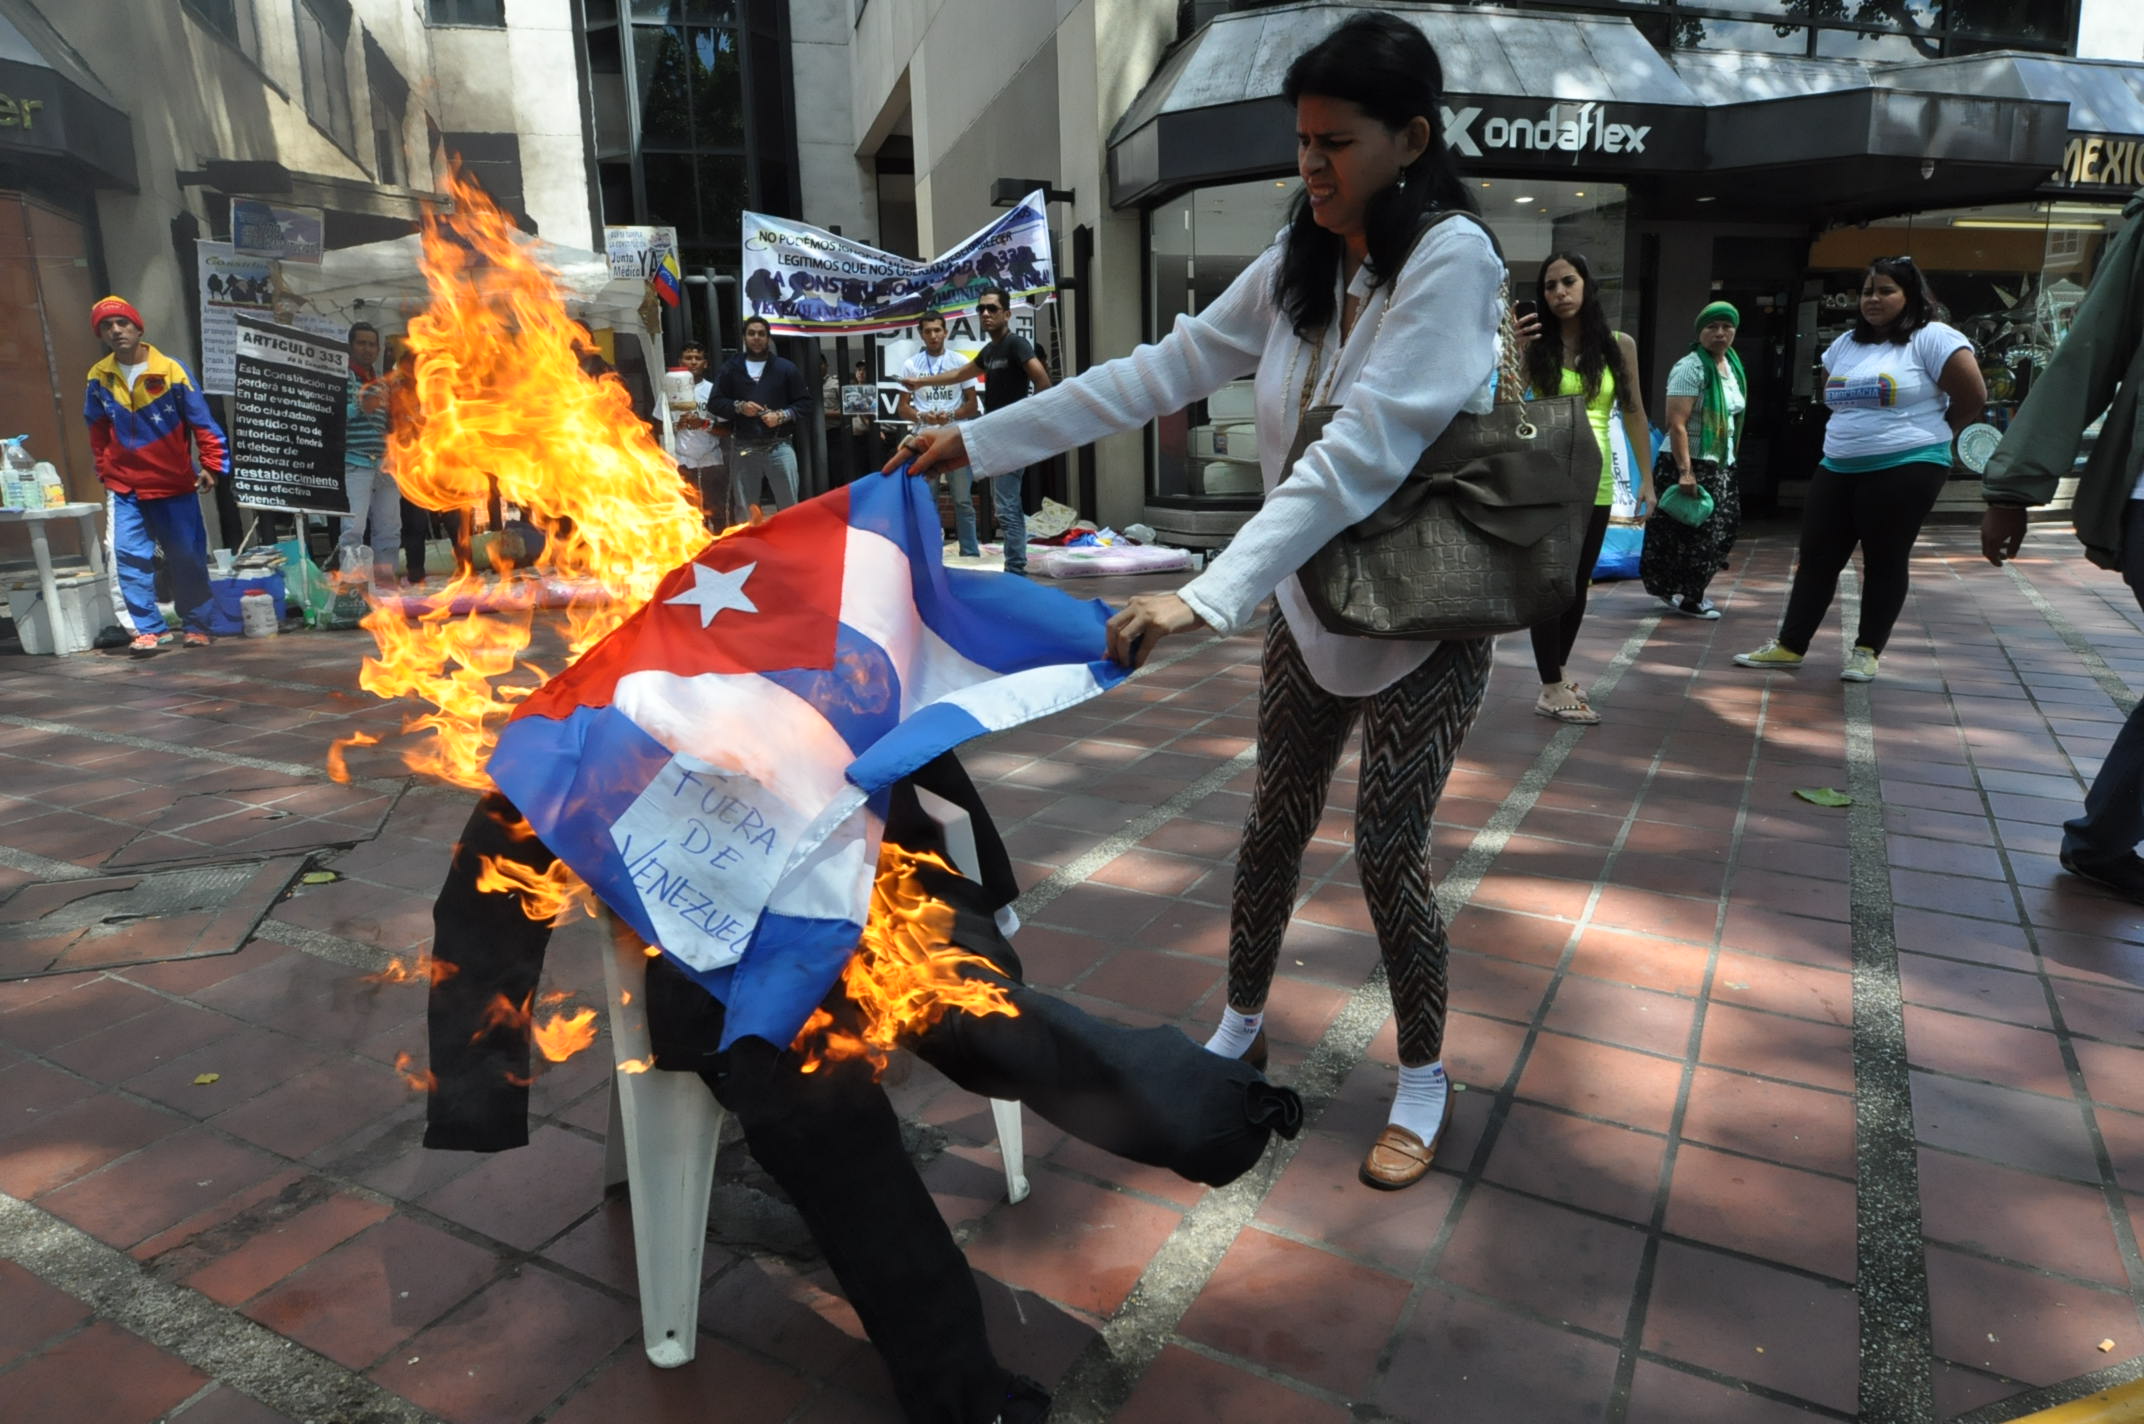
{"type": "Point", "coordinates": [141, 408]}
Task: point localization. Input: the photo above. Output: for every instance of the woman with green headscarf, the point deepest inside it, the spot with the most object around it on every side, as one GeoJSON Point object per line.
{"type": "Point", "coordinates": [1680, 559]}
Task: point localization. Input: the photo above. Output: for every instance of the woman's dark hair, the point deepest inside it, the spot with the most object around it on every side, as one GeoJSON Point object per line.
{"type": "Point", "coordinates": [1921, 304]}
{"type": "Point", "coordinates": [1391, 70]}
{"type": "Point", "coordinates": [1597, 347]}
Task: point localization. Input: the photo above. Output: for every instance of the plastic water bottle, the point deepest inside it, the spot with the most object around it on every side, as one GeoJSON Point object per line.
{"type": "Point", "coordinates": [18, 475]}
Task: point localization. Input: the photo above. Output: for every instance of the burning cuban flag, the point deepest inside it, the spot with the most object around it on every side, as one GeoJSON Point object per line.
{"type": "Point", "coordinates": [715, 768]}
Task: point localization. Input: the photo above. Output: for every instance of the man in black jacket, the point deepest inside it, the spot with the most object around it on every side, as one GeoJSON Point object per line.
{"type": "Point", "coordinates": [764, 398]}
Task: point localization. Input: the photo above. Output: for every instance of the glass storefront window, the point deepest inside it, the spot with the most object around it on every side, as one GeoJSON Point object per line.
{"type": "Point", "coordinates": [1200, 242]}
{"type": "Point", "coordinates": [2011, 276]}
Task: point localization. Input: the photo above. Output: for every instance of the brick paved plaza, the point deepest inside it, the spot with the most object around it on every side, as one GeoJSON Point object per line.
{"type": "Point", "coordinates": [1763, 1101]}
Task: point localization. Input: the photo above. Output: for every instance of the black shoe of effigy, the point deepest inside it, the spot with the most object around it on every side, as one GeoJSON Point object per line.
{"type": "Point", "coordinates": [2123, 874]}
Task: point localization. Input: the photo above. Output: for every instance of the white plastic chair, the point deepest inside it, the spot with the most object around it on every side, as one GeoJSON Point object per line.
{"type": "Point", "coordinates": [665, 1153]}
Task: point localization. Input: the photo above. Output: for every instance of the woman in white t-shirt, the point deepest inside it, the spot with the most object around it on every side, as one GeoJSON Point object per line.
{"type": "Point", "coordinates": [1899, 386]}
{"type": "Point", "coordinates": [1346, 308]}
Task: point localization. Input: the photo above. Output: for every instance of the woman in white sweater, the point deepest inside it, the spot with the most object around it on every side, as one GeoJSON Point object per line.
{"type": "Point", "coordinates": [1345, 308]}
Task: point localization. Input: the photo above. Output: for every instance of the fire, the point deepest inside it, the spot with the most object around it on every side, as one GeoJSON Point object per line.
{"type": "Point", "coordinates": [551, 896]}
{"type": "Point", "coordinates": [422, 970]}
{"type": "Point", "coordinates": [338, 770]}
{"type": "Point", "coordinates": [635, 1065]}
{"type": "Point", "coordinates": [502, 1012]}
{"type": "Point", "coordinates": [905, 973]}
{"type": "Point", "coordinates": [425, 1082]}
{"type": "Point", "coordinates": [496, 401]}
{"type": "Point", "coordinates": [563, 1035]}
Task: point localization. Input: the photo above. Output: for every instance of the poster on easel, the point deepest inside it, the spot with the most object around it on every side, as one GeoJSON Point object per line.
{"type": "Point", "coordinates": [288, 409]}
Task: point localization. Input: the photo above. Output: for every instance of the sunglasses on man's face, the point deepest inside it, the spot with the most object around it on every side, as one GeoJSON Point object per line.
{"type": "Point", "coordinates": [988, 307]}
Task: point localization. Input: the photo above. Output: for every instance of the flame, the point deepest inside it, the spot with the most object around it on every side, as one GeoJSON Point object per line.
{"type": "Point", "coordinates": [337, 769]}
{"type": "Point", "coordinates": [502, 1012]}
{"type": "Point", "coordinates": [562, 1035]}
{"type": "Point", "coordinates": [551, 896]}
{"type": "Point", "coordinates": [636, 1065]}
{"type": "Point", "coordinates": [905, 973]}
{"type": "Point", "coordinates": [495, 401]}
{"type": "Point", "coordinates": [422, 969]}
{"type": "Point", "coordinates": [425, 1082]}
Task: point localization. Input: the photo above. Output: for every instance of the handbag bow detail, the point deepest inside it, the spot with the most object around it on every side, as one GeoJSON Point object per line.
{"type": "Point", "coordinates": [1519, 497]}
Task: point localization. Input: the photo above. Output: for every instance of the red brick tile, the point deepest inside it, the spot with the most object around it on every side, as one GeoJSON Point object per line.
{"type": "Point", "coordinates": [1718, 1312]}
{"type": "Point", "coordinates": [101, 1376]}
{"type": "Point", "coordinates": [1181, 1386]}
{"type": "Point", "coordinates": [1669, 916]}
{"type": "Point", "coordinates": [1510, 936]}
{"type": "Point", "coordinates": [284, 1246]}
{"type": "Point", "coordinates": [1253, 1308]}
{"type": "Point", "coordinates": [1973, 989]}
{"type": "Point", "coordinates": [1078, 1245]}
{"type": "Point", "coordinates": [1612, 1083]}
{"type": "Point", "coordinates": [43, 1024]}
{"type": "Point", "coordinates": [311, 1110]}
{"type": "Point", "coordinates": [2021, 1129]}
{"type": "Point", "coordinates": [1775, 1121]}
{"type": "Point", "coordinates": [1498, 988]}
{"type": "Point", "coordinates": [1587, 1164]}
{"type": "Point", "coordinates": [1993, 1052]}
{"type": "Point", "coordinates": [1299, 1012]}
{"type": "Point", "coordinates": [1335, 956]}
{"type": "Point", "coordinates": [164, 1183]}
{"type": "Point", "coordinates": [771, 1307]}
{"type": "Point", "coordinates": [247, 1063]}
{"type": "Point", "coordinates": [1532, 895]}
{"type": "Point", "coordinates": [1462, 1360]}
{"type": "Point", "coordinates": [2116, 1015]}
{"type": "Point", "coordinates": [527, 1196]}
{"type": "Point", "coordinates": [2094, 959]}
{"type": "Point", "coordinates": [1633, 1018]}
{"type": "Point", "coordinates": [1557, 1262]}
{"type": "Point", "coordinates": [1943, 858]}
{"type": "Point", "coordinates": [1960, 1390]}
{"type": "Point", "coordinates": [1801, 990]}
{"type": "Point", "coordinates": [1319, 1196]}
{"type": "Point", "coordinates": [81, 1137]}
{"type": "Point", "coordinates": [2112, 1075]}
{"type": "Point", "coordinates": [1786, 893]}
{"type": "Point", "coordinates": [1761, 1209]}
{"type": "Point", "coordinates": [1828, 943]}
{"type": "Point", "coordinates": [1565, 860]}
{"type": "Point", "coordinates": [1054, 958]}
{"type": "Point", "coordinates": [1086, 1159]}
{"type": "Point", "coordinates": [373, 1291]}
{"type": "Point", "coordinates": [1790, 857]}
{"type": "Point", "coordinates": [1103, 911]}
{"type": "Point", "coordinates": [503, 1356]}
{"type": "Point", "coordinates": [1800, 1050]}
{"type": "Point", "coordinates": [719, 1386]}
{"type": "Point", "coordinates": [1197, 838]}
{"type": "Point", "coordinates": [2002, 946]}
{"type": "Point", "coordinates": [1157, 982]}
{"type": "Point", "coordinates": [2023, 1324]}
{"type": "Point", "coordinates": [1660, 1394]}
{"type": "Point", "coordinates": [167, 1031]}
{"type": "Point", "coordinates": [32, 1312]}
{"type": "Point", "coordinates": [31, 1092]}
{"type": "Point", "coordinates": [2055, 1225]}
{"type": "Point", "coordinates": [1624, 957]}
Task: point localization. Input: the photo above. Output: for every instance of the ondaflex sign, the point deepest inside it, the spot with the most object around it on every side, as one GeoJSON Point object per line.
{"type": "Point", "coordinates": [1562, 128]}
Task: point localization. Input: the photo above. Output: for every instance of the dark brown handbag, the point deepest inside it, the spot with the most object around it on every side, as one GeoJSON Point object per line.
{"type": "Point", "coordinates": [1484, 535]}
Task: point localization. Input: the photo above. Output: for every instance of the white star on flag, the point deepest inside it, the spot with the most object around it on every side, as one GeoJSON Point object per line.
{"type": "Point", "coordinates": [714, 590]}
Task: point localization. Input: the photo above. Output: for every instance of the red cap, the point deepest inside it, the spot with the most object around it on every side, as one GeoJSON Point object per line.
{"type": "Point", "coordinates": [114, 306]}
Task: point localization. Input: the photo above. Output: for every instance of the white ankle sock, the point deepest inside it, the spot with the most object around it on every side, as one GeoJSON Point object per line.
{"type": "Point", "coordinates": [1235, 1033]}
{"type": "Point", "coordinates": [1419, 1106]}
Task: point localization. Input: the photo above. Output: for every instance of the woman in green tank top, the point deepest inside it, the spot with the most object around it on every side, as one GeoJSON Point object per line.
{"type": "Point", "coordinates": [1591, 360]}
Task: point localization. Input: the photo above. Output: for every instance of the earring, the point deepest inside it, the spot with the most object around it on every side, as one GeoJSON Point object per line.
{"type": "Point", "coordinates": [1403, 180]}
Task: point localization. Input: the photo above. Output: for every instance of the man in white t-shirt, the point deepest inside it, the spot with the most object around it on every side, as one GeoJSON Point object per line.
{"type": "Point", "coordinates": [929, 406]}
{"type": "Point", "coordinates": [699, 443]}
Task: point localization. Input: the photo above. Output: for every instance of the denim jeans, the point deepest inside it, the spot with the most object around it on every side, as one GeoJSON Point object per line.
{"type": "Point", "coordinates": [961, 480]}
{"type": "Point", "coordinates": [2113, 819]}
{"type": "Point", "coordinates": [776, 461]}
{"type": "Point", "coordinates": [1012, 519]}
{"type": "Point", "coordinates": [375, 510]}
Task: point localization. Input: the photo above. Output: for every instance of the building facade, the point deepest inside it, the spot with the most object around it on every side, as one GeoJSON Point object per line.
{"type": "Point", "coordinates": [127, 130]}
{"type": "Point", "coordinates": [1757, 150]}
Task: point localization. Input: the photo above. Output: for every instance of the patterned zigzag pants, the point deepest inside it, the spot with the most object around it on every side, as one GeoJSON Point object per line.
{"type": "Point", "coordinates": [1411, 736]}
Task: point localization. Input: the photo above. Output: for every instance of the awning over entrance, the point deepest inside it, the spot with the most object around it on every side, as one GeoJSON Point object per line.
{"type": "Point", "coordinates": [56, 121]}
{"type": "Point", "coordinates": [2105, 147]}
{"type": "Point", "coordinates": [1523, 90]}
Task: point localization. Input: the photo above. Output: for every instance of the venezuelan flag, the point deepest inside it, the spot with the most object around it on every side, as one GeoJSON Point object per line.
{"type": "Point", "coordinates": [669, 282]}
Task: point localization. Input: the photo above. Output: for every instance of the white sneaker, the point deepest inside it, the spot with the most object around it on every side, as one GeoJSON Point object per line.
{"type": "Point", "coordinates": [1860, 665]}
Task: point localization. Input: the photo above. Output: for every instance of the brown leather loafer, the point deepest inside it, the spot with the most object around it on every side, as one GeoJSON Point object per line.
{"type": "Point", "coordinates": [1399, 1158]}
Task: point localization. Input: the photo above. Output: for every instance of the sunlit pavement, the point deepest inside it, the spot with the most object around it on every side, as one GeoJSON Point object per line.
{"type": "Point", "coordinates": [1766, 1103]}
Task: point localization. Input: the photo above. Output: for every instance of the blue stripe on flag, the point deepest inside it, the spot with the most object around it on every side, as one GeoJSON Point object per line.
{"type": "Point", "coordinates": [1008, 624]}
{"type": "Point", "coordinates": [790, 965]}
{"type": "Point", "coordinates": [927, 733]}
{"type": "Point", "coordinates": [860, 695]}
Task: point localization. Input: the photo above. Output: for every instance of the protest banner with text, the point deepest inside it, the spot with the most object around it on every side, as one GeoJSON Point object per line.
{"type": "Point", "coordinates": [288, 407]}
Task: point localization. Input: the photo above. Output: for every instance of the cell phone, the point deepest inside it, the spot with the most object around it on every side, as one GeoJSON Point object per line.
{"type": "Point", "coordinates": [1523, 310]}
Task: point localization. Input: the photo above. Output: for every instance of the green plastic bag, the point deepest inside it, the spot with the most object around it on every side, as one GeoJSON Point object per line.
{"type": "Point", "coordinates": [303, 583]}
